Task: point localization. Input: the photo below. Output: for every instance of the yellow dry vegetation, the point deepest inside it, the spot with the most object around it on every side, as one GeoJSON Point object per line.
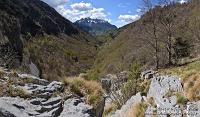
{"type": "Point", "coordinates": [92, 90]}
{"type": "Point", "coordinates": [138, 110]}
{"type": "Point", "coordinates": [190, 76]}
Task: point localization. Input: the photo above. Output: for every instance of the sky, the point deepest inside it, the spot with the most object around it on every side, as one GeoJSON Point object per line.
{"type": "Point", "coordinates": [117, 12]}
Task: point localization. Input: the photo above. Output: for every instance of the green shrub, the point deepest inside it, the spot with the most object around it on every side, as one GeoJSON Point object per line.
{"type": "Point", "coordinates": [181, 99]}
{"type": "Point", "coordinates": [130, 88]}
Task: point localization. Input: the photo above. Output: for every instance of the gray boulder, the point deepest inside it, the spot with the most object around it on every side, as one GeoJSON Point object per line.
{"type": "Point", "coordinates": [76, 108]}
{"type": "Point", "coordinates": [129, 104]}
{"type": "Point", "coordinates": [45, 99]}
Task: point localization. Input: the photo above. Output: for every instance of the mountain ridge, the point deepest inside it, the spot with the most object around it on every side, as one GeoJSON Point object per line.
{"type": "Point", "coordinates": [94, 27]}
{"type": "Point", "coordinates": [31, 27]}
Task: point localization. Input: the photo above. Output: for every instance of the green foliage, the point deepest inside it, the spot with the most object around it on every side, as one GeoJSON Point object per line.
{"type": "Point", "coordinates": [134, 71]}
{"type": "Point", "coordinates": [184, 71]}
{"type": "Point", "coordinates": [144, 87]}
{"type": "Point", "coordinates": [93, 75]}
{"type": "Point", "coordinates": [59, 57]}
{"type": "Point", "coordinates": [129, 43]}
{"type": "Point", "coordinates": [181, 99]}
{"type": "Point", "coordinates": [181, 48]}
{"type": "Point", "coordinates": [131, 87]}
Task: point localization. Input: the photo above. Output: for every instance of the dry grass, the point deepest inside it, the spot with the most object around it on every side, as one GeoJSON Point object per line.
{"type": "Point", "coordinates": [14, 92]}
{"type": "Point", "coordinates": [184, 71]}
{"type": "Point", "coordinates": [144, 86]}
{"type": "Point", "coordinates": [2, 73]}
{"type": "Point", "coordinates": [92, 90]}
{"type": "Point", "coordinates": [2, 89]}
{"type": "Point", "coordinates": [190, 75]}
{"type": "Point", "coordinates": [109, 109]}
{"type": "Point", "coordinates": [138, 110]}
{"type": "Point", "coordinates": [192, 87]}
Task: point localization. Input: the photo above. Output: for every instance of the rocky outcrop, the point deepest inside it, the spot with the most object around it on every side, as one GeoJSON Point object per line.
{"type": "Point", "coordinates": [35, 97]}
{"type": "Point", "coordinates": [114, 81]}
{"type": "Point", "coordinates": [125, 108]}
{"type": "Point", "coordinates": [159, 87]}
{"type": "Point", "coordinates": [165, 97]}
{"type": "Point", "coordinates": [76, 108]}
{"type": "Point", "coordinates": [193, 109]}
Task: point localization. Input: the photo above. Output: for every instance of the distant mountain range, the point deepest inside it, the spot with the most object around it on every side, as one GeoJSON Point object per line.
{"type": "Point", "coordinates": [94, 26]}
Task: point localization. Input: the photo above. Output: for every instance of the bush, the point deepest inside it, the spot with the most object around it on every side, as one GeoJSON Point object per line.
{"type": "Point", "coordinates": [182, 48]}
{"type": "Point", "coordinates": [130, 88]}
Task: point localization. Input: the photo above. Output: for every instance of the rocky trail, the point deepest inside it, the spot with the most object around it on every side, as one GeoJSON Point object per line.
{"type": "Point", "coordinates": [24, 95]}
{"type": "Point", "coordinates": [28, 96]}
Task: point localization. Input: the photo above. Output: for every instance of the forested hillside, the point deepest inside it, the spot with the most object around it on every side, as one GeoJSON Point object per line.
{"type": "Point", "coordinates": [164, 36]}
{"type": "Point", "coordinates": [36, 39]}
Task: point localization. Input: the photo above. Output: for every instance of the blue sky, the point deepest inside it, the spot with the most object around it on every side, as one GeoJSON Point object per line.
{"type": "Point", "coordinates": [117, 12]}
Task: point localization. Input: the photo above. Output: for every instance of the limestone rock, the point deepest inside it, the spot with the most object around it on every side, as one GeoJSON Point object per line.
{"type": "Point", "coordinates": [46, 99]}
{"type": "Point", "coordinates": [125, 108]}
{"type": "Point", "coordinates": [76, 108]}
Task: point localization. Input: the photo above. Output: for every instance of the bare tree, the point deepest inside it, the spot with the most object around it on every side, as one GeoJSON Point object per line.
{"type": "Point", "coordinates": [160, 26]}
{"type": "Point", "coordinates": [167, 17]}
{"type": "Point", "coordinates": [151, 29]}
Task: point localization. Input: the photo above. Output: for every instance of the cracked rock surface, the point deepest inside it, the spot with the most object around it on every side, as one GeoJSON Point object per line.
{"type": "Point", "coordinates": [38, 98]}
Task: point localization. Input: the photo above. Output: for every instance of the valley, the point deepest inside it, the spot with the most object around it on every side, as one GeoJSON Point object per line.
{"type": "Point", "coordinates": [53, 67]}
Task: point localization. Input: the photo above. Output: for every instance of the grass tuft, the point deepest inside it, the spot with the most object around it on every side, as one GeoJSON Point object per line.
{"type": "Point", "coordinates": [91, 90]}
{"type": "Point", "coordinates": [138, 110]}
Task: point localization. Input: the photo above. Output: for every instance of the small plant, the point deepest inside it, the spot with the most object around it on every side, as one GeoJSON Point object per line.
{"type": "Point", "coordinates": [109, 109]}
{"type": "Point", "coordinates": [1, 73]}
{"type": "Point", "coordinates": [169, 93]}
{"type": "Point", "coordinates": [144, 87]}
{"type": "Point", "coordinates": [181, 99]}
{"type": "Point", "coordinates": [151, 101]}
{"type": "Point", "coordinates": [14, 92]}
{"type": "Point", "coordinates": [28, 80]}
{"type": "Point", "coordinates": [130, 88]}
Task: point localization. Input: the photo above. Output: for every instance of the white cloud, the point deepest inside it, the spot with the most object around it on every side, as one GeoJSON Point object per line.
{"type": "Point", "coordinates": [55, 3]}
{"type": "Point", "coordinates": [82, 10]}
{"type": "Point", "coordinates": [129, 18]}
{"type": "Point", "coordinates": [139, 10]}
{"type": "Point", "coordinates": [182, 1]}
{"type": "Point", "coordinates": [122, 5]}
{"type": "Point", "coordinates": [81, 6]}
{"type": "Point", "coordinates": [126, 19]}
